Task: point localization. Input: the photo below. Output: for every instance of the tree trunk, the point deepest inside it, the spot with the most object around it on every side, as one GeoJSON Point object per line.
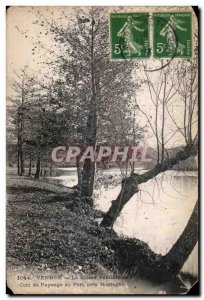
{"type": "Point", "coordinates": [41, 171]}
{"type": "Point", "coordinates": [88, 175]}
{"type": "Point", "coordinates": [127, 191]}
{"type": "Point", "coordinates": [130, 184]}
{"type": "Point", "coordinates": [183, 247]}
{"type": "Point", "coordinates": [30, 166]}
{"type": "Point", "coordinates": [135, 257]}
{"type": "Point", "coordinates": [21, 157]}
{"type": "Point", "coordinates": [51, 169]}
{"type": "Point", "coordinates": [18, 161]}
{"type": "Point", "coordinates": [79, 173]}
{"type": "Point", "coordinates": [37, 173]}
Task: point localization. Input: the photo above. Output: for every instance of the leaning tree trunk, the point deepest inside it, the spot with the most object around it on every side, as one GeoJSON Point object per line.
{"type": "Point", "coordinates": [183, 247]}
{"type": "Point", "coordinates": [130, 184]}
{"type": "Point", "coordinates": [135, 257]}
{"type": "Point", "coordinates": [129, 188]}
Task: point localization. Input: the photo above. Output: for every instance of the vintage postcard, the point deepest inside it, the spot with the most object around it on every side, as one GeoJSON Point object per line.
{"type": "Point", "coordinates": [102, 150]}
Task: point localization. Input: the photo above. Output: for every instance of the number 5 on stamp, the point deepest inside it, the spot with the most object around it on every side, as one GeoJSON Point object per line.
{"type": "Point", "coordinates": [172, 35]}
{"type": "Point", "coordinates": [129, 35]}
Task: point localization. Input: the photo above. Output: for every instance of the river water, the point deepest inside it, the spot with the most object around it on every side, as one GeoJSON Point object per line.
{"type": "Point", "coordinates": [157, 214]}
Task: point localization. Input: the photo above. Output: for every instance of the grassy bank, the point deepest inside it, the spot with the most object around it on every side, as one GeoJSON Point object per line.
{"type": "Point", "coordinates": [52, 231]}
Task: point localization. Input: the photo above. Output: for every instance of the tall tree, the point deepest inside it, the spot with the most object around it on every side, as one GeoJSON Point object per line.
{"type": "Point", "coordinates": [91, 77]}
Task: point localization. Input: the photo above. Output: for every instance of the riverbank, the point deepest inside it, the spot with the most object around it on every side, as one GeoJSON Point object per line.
{"type": "Point", "coordinates": [42, 184]}
{"type": "Point", "coordinates": [46, 230]}
{"type": "Point", "coordinates": [52, 232]}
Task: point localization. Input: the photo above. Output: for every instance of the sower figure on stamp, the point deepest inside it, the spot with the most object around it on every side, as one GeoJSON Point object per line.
{"type": "Point", "coordinates": [127, 32]}
{"type": "Point", "coordinates": [169, 32]}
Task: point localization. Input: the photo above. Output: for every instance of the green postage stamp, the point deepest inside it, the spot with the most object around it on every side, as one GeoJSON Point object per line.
{"type": "Point", "coordinates": [172, 35]}
{"type": "Point", "coordinates": [129, 35]}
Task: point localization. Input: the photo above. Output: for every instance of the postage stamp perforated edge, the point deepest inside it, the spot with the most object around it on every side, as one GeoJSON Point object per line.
{"type": "Point", "coordinates": [152, 10]}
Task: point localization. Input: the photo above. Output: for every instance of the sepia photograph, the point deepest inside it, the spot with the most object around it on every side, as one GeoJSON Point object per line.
{"type": "Point", "coordinates": [102, 150]}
